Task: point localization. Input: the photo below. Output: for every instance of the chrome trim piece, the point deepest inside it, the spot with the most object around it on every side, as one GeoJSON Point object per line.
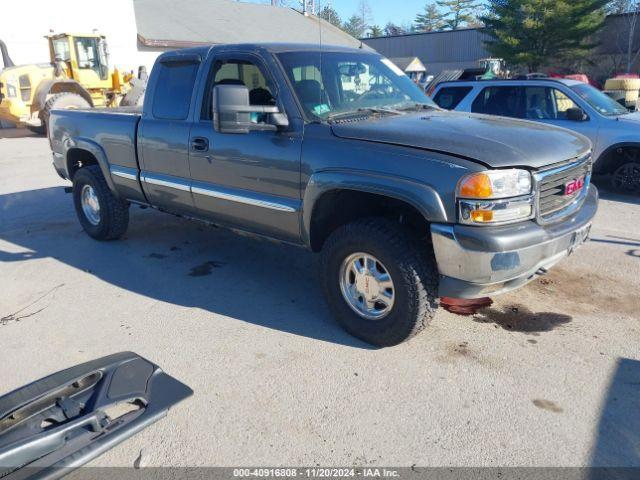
{"type": "Point", "coordinates": [232, 197]}
{"type": "Point", "coordinates": [124, 172]}
{"type": "Point", "coordinates": [185, 186]}
{"type": "Point", "coordinates": [165, 181]}
{"type": "Point", "coordinates": [465, 206]}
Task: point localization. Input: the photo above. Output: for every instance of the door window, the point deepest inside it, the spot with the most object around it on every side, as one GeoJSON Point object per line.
{"type": "Point", "coordinates": [562, 104]}
{"type": "Point", "coordinates": [539, 104]}
{"type": "Point", "coordinates": [546, 103]}
{"type": "Point", "coordinates": [239, 72]}
{"type": "Point", "coordinates": [450, 97]}
{"type": "Point", "coordinates": [88, 54]}
{"type": "Point", "coordinates": [503, 101]}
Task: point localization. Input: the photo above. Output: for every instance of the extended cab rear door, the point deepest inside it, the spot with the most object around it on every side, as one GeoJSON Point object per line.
{"type": "Point", "coordinates": [250, 181]}
{"type": "Point", "coordinates": [163, 134]}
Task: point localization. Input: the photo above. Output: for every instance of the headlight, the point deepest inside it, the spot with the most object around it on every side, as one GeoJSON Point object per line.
{"type": "Point", "coordinates": [496, 197]}
{"type": "Point", "coordinates": [495, 184]}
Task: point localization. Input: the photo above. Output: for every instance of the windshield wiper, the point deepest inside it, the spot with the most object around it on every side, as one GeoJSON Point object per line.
{"type": "Point", "coordinates": [360, 111]}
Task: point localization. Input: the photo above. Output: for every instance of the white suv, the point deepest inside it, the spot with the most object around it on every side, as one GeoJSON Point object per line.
{"type": "Point", "coordinates": [613, 130]}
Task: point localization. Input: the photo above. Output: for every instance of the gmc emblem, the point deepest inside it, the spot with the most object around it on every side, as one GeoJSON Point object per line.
{"type": "Point", "coordinates": [573, 186]}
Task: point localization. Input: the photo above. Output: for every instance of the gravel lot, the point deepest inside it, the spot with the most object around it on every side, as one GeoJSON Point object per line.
{"type": "Point", "coordinates": [549, 376]}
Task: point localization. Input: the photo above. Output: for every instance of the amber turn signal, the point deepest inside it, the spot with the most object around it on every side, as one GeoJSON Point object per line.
{"type": "Point", "coordinates": [476, 186]}
{"type": "Point", "coordinates": [482, 216]}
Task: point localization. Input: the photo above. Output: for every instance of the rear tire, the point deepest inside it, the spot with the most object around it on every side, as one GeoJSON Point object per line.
{"type": "Point", "coordinates": [398, 255]}
{"type": "Point", "coordinates": [60, 101]}
{"type": "Point", "coordinates": [102, 215]}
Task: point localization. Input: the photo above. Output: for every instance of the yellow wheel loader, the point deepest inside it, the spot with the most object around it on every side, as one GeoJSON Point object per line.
{"type": "Point", "coordinates": [78, 76]}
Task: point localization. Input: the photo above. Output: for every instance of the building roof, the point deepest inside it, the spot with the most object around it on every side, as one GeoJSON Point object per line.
{"type": "Point", "coordinates": [169, 24]}
{"type": "Point", "coordinates": [409, 64]}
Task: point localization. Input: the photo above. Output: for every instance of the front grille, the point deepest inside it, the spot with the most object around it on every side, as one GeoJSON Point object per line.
{"type": "Point", "coordinates": [551, 187]}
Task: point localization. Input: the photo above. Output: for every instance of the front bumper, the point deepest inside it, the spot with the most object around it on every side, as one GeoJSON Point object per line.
{"type": "Point", "coordinates": [477, 262]}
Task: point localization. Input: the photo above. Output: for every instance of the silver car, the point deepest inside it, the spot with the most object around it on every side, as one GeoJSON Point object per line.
{"type": "Point", "coordinates": [613, 130]}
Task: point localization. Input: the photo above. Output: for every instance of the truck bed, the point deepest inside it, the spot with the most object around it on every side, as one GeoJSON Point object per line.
{"type": "Point", "coordinates": [110, 135]}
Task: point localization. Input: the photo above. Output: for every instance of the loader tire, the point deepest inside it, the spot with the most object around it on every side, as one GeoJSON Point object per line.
{"type": "Point", "coordinates": [134, 97]}
{"type": "Point", "coordinates": [61, 101]}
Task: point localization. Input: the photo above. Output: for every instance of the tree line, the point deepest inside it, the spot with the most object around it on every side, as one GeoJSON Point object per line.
{"type": "Point", "coordinates": [436, 15]}
{"type": "Point", "coordinates": [528, 33]}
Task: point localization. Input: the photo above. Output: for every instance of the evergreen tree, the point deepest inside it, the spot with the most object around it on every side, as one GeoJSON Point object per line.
{"type": "Point", "coordinates": [331, 16]}
{"type": "Point", "coordinates": [430, 20]}
{"type": "Point", "coordinates": [355, 26]}
{"type": "Point", "coordinates": [459, 12]}
{"type": "Point", "coordinates": [376, 31]}
{"type": "Point", "coordinates": [536, 32]}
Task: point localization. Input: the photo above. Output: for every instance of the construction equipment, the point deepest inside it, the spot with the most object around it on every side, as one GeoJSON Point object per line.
{"type": "Point", "coordinates": [487, 69]}
{"type": "Point", "coordinates": [78, 76]}
{"type": "Point", "coordinates": [624, 89]}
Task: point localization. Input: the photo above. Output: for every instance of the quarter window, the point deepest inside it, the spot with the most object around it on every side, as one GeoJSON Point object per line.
{"type": "Point", "coordinates": [172, 96]}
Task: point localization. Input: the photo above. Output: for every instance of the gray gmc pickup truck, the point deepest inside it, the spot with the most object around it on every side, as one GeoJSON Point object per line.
{"type": "Point", "coordinates": [338, 151]}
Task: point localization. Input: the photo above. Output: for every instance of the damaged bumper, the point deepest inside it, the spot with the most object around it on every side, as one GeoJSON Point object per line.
{"type": "Point", "coordinates": [481, 261]}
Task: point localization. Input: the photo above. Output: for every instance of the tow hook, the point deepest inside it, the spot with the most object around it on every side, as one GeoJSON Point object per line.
{"type": "Point", "coordinates": [464, 306]}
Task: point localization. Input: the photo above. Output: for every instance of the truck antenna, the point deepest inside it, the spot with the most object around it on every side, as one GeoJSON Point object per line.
{"type": "Point", "coordinates": [320, 69]}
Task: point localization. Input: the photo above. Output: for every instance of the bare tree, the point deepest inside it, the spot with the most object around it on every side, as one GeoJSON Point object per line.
{"type": "Point", "coordinates": [364, 12]}
{"type": "Point", "coordinates": [630, 12]}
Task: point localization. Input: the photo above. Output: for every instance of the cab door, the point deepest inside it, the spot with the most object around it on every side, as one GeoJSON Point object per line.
{"type": "Point", "coordinates": [248, 181]}
{"type": "Point", "coordinates": [163, 133]}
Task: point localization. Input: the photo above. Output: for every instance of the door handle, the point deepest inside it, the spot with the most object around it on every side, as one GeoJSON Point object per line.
{"type": "Point", "coordinates": [199, 144]}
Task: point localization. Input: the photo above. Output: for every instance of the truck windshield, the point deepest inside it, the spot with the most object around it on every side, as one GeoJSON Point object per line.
{"type": "Point", "coordinates": [336, 83]}
{"type": "Point", "coordinates": [604, 104]}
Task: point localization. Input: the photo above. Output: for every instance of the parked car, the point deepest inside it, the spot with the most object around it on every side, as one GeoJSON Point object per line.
{"type": "Point", "coordinates": [338, 151]}
{"type": "Point", "coordinates": [612, 129]}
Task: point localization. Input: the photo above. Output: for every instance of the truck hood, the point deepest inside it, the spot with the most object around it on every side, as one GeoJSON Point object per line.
{"type": "Point", "coordinates": [494, 141]}
{"type": "Point", "coordinates": [630, 119]}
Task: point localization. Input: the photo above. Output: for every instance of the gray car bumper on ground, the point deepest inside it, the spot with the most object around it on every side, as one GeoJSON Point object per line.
{"type": "Point", "coordinates": [478, 261]}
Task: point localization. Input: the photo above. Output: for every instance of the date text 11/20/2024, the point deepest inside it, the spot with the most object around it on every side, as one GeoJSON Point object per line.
{"type": "Point", "coordinates": [315, 472]}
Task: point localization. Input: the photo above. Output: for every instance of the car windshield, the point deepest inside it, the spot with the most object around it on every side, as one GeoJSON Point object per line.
{"type": "Point", "coordinates": [604, 104]}
{"type": "Point", "coordinates": [332, 84]}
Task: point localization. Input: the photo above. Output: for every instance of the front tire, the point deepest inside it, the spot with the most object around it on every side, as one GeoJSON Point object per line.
{"type": "Point", "coordinates": [625, 178]}
{"type": "Point", "coordinates": [102, 215]}
{"type": "Point", "coordinates": [380, 283]}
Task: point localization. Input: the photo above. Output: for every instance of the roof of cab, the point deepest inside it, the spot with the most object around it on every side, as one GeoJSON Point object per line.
{"type": "Point", "coordinates": [275, 48]}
